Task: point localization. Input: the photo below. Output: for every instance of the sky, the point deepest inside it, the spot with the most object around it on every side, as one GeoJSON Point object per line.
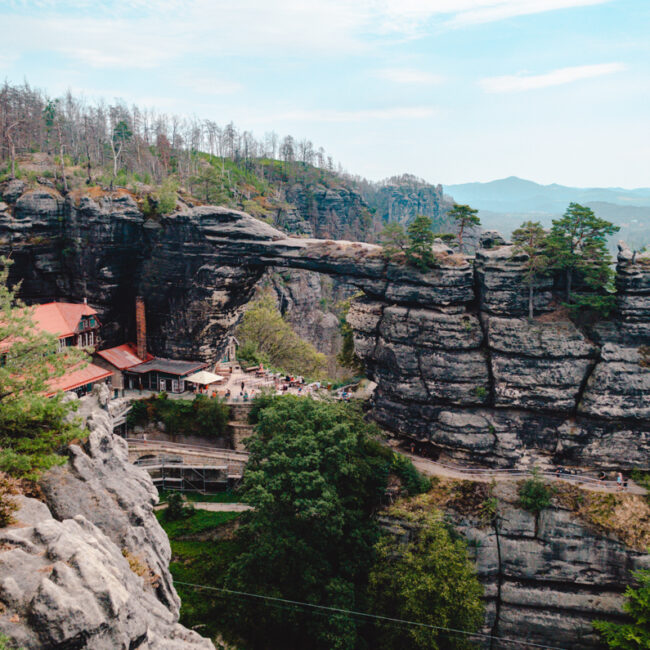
{"type": "Point", "coordinates": [449, 90]}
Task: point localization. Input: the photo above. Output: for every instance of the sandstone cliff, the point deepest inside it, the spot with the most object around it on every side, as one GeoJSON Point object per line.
{"type": "Point", "coordinates": [456, 362]}
{"type": "Point", "coordinates": [546, 576]}
{"type": "Point", "coordinates": [89, 567]}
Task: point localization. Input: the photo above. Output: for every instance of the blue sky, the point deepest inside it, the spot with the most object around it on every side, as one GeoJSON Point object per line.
{"type": "Point", "coordinates": [449, 90]}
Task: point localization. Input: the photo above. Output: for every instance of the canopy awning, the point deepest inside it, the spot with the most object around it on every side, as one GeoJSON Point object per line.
{"type": "Point", "coordinates": [204, 378]}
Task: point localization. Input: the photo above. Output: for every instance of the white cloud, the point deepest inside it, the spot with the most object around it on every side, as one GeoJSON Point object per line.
{"type": "Point", "coordinates": [409, 76]}
{"type": "Point", "coordinates": [515, 83]}
{"type": "Point", "coordinates": [411, 16]}
{"type": "Point", "coordinates": [363, 115]}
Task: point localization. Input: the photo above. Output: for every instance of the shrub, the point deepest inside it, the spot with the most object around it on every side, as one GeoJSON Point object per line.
{"type": "Point", "coordinates": [202, 416]}
{"type": "Point", "coordinates": [7, 505]}
{"type": "Point", "coordinates": [534, 494]}
{"type": "Point", "coordinates": [176, 508]}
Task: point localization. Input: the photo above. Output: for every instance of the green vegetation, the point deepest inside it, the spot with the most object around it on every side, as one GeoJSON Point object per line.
{"type": "Point", "coordinates": [202, 562]}
{"type": "Point", "coordinates": [412, 245]}
{"type": "Point", "coordinates": [316, 478]}
{"type": "Point", "coordinates": [34, 429]}
{"type": "Point", "coordinates": [430, 580]}
{"type": "Point", "coordinates": [530, 238]}
{"type": "Point", "coordinates": [7, 505]}
{"type": "Point", "coordinates": [634, 635]}
{"type": "Point", "coordinates": [465, 217]}
{"type": "Point", "coordinates": [577, 245]}
{"type": "Point", "coordinates": [176, 508]}
{"type": "Point", "coordinates": [418, 251]}
{"type": "Point", "coordinates": [534, 494]}
{"type": "Point", "coordinates": [202, 416]}
{"type": "Point", "coordinates": [347, 357]}
{"type": "Point", "coordinates": [265, 337]}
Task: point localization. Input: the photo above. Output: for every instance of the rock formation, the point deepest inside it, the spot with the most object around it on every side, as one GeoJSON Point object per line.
{"type": "Point", "coordinates": [89, 567]}
{"type": "Point", "coordinates": [546, 576]}
{"type": "Point", "coordinates": [456, 362]}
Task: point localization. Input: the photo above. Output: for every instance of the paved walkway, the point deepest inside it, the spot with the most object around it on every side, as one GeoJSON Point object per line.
{"type": "Point", "coordinates": [434, 468]}
{"type": "Point", "coordinates": [213, 507]}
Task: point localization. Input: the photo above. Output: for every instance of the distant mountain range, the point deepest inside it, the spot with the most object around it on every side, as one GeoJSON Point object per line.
{"type": "Point", "coordinates": [504, 204]}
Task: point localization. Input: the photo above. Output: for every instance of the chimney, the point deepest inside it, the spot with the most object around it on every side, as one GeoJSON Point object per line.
{"type": "Point", "coordinates": [140, 328]}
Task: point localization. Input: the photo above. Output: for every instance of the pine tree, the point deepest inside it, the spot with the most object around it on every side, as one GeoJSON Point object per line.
{"type": "Point", "coordinates": [530, 238]}
{"type": "Point", "coordinates": [634, 635]}
{"type": "Point", "coordinates": [394, 239]}
{"type": "Point", "coordinates": [421, 238]}
{"type": "Point", "coordinates": [33, 427]}
{"type": "Point", "coordinates": [464, 217]}
{"type": "Point", "coordinates": [577, 244]}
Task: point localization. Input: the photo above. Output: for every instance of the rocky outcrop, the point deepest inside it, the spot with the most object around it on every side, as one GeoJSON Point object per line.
{"type": "Point", "coordinates": [483, 384]}
{"type": "Point", "coordinates": [89, 567]}
{"type": "Point", "coordinates": [546, 577]}
{"type": "Point", "coordinates": [457, 363]}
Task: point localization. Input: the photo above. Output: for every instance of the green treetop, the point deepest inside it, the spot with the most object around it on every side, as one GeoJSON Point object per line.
{"type": "Point", "coordinates": [464, 217]}
{"type": "Point", "coordinates": [530, 238]}
{"type": "Point", "coordinates": [33, 428]}
{"type": "Point", "coordinates": [634, 635]}
{"type": "Point", "coordinates": [421, 237]}
{"type": "Point", "coordinates": [394, 239]}
{"type": "Point", "coordinates": [265, 337]}
{"type": "Point", "coordinates": [314, 479]}
{"type": "Point", "coordinates": [578, 244]}
{"type": "Point", "coordinates": [429, 580]}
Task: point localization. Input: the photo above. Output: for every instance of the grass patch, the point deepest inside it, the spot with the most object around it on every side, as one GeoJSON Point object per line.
{"type": "Point", "coordinates": [625, 515]}
{"type": "Point", "coordinates": [202, 563]}
{"type": "Point", "coordinates": [199, 522]}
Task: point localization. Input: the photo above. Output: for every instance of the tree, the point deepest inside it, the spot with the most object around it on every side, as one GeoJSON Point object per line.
{"type": "Point", "coordinates": [421, 238]}
{"type": "Point", "coordinates": [634, 635]}
{"type": "Point", "coordinates": [314, 478]}
{"type": "Point", "coordinates": [430, 580]}
{"type": "Point", "coordinates": [347, 356]}
{"type": "Point", "coordinates": [34, 429]}
{"type": "Point", "coordinates": [530, 238]}
{"type": "Point", "coordinates": [394, 239]}
{"type": "Point", "coordinates": [121, 135]}
{"type": "Point", "coordinates": [577, 244]}
{"type": "Point", "coordinates": [464, 216]}
{"type": "Point", "coordinates": [265, 337]}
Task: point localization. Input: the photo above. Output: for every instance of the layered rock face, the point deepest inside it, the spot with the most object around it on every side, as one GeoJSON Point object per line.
{"type": "Point", "coordinates": [89, 568]}
{"type": "Point", "coordinates": [546, 576]}
{"type": "Point", "coordinates": [481, 383]}
{"type": "Point", "coordinates": [457, 363]}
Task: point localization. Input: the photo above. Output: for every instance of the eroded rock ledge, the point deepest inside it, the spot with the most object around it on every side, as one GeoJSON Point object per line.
{"type": "Point", "coordinates": [90, 568]}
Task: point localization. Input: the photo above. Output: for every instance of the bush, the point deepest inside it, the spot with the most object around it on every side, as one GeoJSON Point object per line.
{"type": "Point", "coordinates": [176, 508]}
{"type": "Point", "coordinates": [202, 416]}
{"type": "Point", "coordinates": [534, 494]}
{"type": "Point", "coordinates": [7, 505]}
{"type": "Point", "coordinates": [430, 580]}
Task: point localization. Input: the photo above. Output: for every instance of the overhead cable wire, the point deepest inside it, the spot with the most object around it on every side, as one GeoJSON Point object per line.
{"type": "Point", "coordinates": [387, 619]}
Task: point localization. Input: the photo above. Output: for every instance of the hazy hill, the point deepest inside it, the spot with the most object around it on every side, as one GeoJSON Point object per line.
{"type": "Point", "coordinates": [505, 203]}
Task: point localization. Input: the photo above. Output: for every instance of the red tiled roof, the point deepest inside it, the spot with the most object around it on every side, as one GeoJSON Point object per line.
{"type": "Point", "coordinates": [80, 377]}
{"type": "Point", "coordinates": [61, 318]}
{"type": "Point", "coordinates": [123, 356]}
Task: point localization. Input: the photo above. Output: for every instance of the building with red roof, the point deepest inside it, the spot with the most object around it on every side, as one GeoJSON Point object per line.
{"type": "Point", "coordinates": [73, 324]}
{"type": "Point", "coordinates": [119, 359]}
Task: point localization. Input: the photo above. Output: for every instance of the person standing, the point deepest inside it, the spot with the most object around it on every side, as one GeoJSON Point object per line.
{"type": "Point", "coordinates": [619, 481]}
